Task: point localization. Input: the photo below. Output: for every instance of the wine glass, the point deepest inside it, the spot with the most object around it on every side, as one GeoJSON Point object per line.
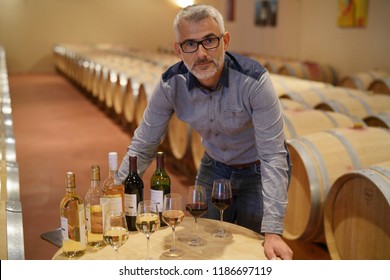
{"type": "Point", "coordinates": [115, 232]}
{"type": "Point", "coordinates": [197, 207]}
{"type": "Point", "coordinates": [172, 215]}
{"type": "Point", "coordinates": [148, 221]}
{"type": "Point", "coordinates": [221, 197]}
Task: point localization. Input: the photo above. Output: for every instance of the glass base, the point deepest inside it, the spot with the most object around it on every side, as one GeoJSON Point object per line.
{"type": "Point", "coordinates": [148, 258]}
{"type": "Point", "coordinates": [174, 253]}
{"type": "Point", "coordinates": [221, 233]}
{"type": "Point", "coordinates": [197, 241]}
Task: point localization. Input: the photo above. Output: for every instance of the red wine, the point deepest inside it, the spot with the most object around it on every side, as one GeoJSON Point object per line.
{"type": "Point", "coordinates": [221, 204]}
{"type": "Point", "coordinates": [197, 209]}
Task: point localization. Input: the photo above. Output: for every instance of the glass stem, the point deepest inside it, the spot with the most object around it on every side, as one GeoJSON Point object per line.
{"type": "Point", "coordinates": [196, 228]}
{"type": "Point", "coordinates": [173, 238]}
{"type": "Point", "coordinates": [147, 246]}
{"type": "Point", "coordinates": [221, 220]}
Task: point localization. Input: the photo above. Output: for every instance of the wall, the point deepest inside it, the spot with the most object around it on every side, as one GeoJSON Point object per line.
{"type": "Point", "coordinates": [306, 30]}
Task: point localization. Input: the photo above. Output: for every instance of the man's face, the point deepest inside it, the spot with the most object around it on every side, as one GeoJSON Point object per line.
{"type": "Point", "coordinates": [203, 64]}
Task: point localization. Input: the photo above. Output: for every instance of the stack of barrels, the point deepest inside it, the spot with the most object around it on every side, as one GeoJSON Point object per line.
{"type": "Point", "coordinates": [335, 152]}
{"type": "Point", "coordinates": [11, 222]}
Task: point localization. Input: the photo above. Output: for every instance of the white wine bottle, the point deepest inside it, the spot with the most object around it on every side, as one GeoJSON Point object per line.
{"type": "Point", "coordinates": [72, 220]}
{"type": "Point", "coordinates": [94, 209]}
{"type": "Point", "coordinates": [113, 188]}
{"type": "Point", "coordinates": [160, 184]}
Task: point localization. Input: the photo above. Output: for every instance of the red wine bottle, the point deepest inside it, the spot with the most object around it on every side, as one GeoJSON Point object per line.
{"type": "Point", "coordinates": [134, 193]}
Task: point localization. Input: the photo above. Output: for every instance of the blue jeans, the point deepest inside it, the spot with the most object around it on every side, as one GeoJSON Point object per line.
{"type": "Point", "coordinates": [247, 207]}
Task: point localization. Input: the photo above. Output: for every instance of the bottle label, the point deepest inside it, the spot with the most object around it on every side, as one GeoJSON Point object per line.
{"type": "Point", "coordinates": [64, 229]}
{"type": "Point", "coordinates": [94, 218]}
{"type": "Point", "coordinates": [131, 205]}
{"type": "Point", "coordinates": [75, 231]}
{"type": "Point", "coordinates": [157, 196]}
{"type": "Point", "coordinates": [83, 235]}
{"type": "Point", "coordinates": [114, 203]}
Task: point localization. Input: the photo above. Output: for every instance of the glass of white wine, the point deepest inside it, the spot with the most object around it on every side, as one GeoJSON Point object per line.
{"type": "Point", "coordinates": [172, 215]}
{"type": "Point", "coordinates": [147, 221]}
{"type": "Point", "coordinates": [115, 232]}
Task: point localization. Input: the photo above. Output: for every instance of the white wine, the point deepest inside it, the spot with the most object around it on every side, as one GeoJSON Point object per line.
{"type": "Point", "coordinates": [173, 217]}
{"type": "Point", "coordinates": [72, 215]}
{"type": "Point", "coordinates": [147, 223]}
{"type": "Point", "coordinates": [116, 236]}
{"type": "Point", "coordinates": [94, 204]}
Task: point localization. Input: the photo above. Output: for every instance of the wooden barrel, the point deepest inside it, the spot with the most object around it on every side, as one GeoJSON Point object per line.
{"type": "Point", "coordinates": [318, 160]}
{"type": "Point", "coordinates": [3, 180]}
{"type": "Point", "coordinates": [104, 82]}
{"type": "Point", "coordinates": [298, 123]}
{"type": "Point", "coordinates": [321, 72]}
{"type": "Point", "coordinates": [294, 69]}
{"type": "Point", "coordinates": [285, 84]}
{"type": "Point", "coordinates": [111, 81]}
{"type": "Point", "coordinates": [141, 104]}
{"type": "Point", "coordinates": [197, 149]}
{"type": "Point", "coordinates": [97, 79]}
{"type": "Point", "coordinates": [3, 231]}
{"type": "Point", "coordinates": [179, 136]}
{"type": "Point", "coordinates": [90, 77]}
{"type": "Point", "coordinates": [289, 104]}
{"type": "Point", "coordinates": [148, 81]}
{"type": "Point", "coordinates": [378, 120]}
{"type": "Point", "coordinates": [357, 215]}
{"type": "Point", "coordinates": [122, 87]}
{"type": "Point", "coordinates": [362, 80]}
{"type": "Point", "coordinates": [356, 106]}
{"type": "Point", "coordinates": [312, 97]}
{"type": "Point", "coordinates": [130, 101]}
{"type": "Point", "coordinates": [380, 85]}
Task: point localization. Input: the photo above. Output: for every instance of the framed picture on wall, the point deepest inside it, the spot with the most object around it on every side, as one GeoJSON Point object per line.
{"type": "Point", "coordinates": [352, 13]}
{"type": "Point", "coordinates": [230, 9]}
{"type": "Point", "coordinates": [266, 12]}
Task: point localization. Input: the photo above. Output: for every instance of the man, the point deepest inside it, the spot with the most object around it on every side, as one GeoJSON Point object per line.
{"type": "Point", "coordinates": [229, 99]}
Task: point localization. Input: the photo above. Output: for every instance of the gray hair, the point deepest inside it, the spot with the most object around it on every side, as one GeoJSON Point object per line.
{"type": "Point", "coordinates": [196, 13]}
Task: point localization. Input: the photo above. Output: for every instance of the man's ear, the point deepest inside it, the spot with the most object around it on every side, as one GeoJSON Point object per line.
{"type": "Point", "coordinates": [177, 49]}
{"type": "Point", "coordinates": [226, 40]}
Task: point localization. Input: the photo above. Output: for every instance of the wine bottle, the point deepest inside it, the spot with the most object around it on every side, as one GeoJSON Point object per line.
{"type": "Point", "coordinates": [94, 209]}
{"type": "Point", "coordinates": [160, 184]}
{"type": "Point", "coordinates": [134, 193]}
{"type": "Point", "coordinates": [114, 191]}
{"type": "Point", "coordinates": [72, 216]}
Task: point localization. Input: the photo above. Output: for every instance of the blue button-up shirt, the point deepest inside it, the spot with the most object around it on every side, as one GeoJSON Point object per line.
{"type": "Point", "coordinates": [240, 121]}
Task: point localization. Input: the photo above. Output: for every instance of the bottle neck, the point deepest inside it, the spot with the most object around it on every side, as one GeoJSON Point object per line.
{"type": "Point", "coordinates": [95, 183]}
{"type": "Point", "coordinates": [133, 165]}
{"type": "Point", "coordinates": [112, 173]}
{"type": "Point", "coordinates": [71, 190]}
{"type": "Point", "coordinates": [160, 163]}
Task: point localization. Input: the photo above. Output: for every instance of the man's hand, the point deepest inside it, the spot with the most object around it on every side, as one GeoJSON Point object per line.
{"type": "Point", "coordinates": [275, 247]}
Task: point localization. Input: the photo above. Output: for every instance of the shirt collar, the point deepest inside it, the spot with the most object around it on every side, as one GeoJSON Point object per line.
{"type": "Point", "coordinates": [223, 81]}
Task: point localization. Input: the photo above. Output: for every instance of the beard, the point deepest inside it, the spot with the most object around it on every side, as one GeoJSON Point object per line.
{"type": "Point", "coordinates": [206, 74]}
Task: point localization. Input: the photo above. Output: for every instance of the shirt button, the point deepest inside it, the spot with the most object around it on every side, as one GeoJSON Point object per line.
{"type": "Point", "coordinates": [211, 97]}
{"type": "Point", "coordinates": [211, 120]}
{"type": "Point", "coordinates": [216, 134]}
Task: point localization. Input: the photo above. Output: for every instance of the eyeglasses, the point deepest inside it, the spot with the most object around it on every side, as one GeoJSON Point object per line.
{"type": "Point", "coordinates": [209, 43]}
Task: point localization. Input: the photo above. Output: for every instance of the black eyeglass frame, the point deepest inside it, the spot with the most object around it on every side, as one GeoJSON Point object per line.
{"type": "Point", "coordinates": [200, 42]}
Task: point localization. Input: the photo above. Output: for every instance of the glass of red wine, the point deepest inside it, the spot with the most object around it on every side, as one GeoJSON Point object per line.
{"type": "Point", "coordinates": [221, 197]}
{"type": "Point", "coordinates": [197, 207]}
